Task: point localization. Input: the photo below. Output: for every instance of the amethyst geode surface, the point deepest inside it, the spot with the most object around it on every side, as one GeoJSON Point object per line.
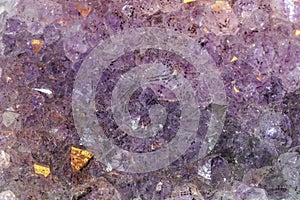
{"type": "Point", "coordinates": [173, 99]}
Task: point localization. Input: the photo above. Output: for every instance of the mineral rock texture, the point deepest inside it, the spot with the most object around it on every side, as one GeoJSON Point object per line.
{"type": "Point", "coordinates": [150, 100]}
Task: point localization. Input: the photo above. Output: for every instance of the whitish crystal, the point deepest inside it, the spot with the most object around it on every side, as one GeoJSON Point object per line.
{"type": "Point", "coordinates": [241, 191]}
{"type": "Point", "coordinates": [4, 160]}
{"type": "Point", "coordinates": [205, 170]}
{"type": "Point", "coordinates": [288, 9]}
{"type": "Point", "coordinates": [45, 12]}
{"type": "Point", "coordinates": [289, 163]}
{"type": "Point", "coordinates": [7, 195]}
{"type": "Point", "coordinates": [9, 118]}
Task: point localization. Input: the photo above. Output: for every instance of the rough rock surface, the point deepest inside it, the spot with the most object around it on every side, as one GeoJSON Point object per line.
{"type": "Point", "coordinates": [217, 80]}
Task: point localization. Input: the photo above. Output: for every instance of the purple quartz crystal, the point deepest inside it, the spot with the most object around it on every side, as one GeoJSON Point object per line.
{"type": "Point", "coordinates": [241, 68]}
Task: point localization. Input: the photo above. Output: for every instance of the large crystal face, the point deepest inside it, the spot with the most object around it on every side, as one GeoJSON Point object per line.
{"type": "Point", "coordinates": [150, 100]}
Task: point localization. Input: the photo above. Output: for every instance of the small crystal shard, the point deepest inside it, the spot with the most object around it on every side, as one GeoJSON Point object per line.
{"type": "Point", "coordinates": [37, 45]}
{"type": "Point", "coordinates": [46, 91]}
{"type": "Point", "coordinates": [234, 59]}
{"type": "Point", "coordinates": [42, 170]}
{"type": "Point", "coordinates": [158, 187]}
{"type": "Point", "coordinates": [79, 158]}
{"type": "Point", "coordinates": [236, 90]}
{"type": "Point", "coordinates": [188, 1]}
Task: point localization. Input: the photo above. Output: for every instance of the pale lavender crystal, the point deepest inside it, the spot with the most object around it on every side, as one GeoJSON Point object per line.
{"type": "Point", "coordinates": [242, 191]}
{"type": "Point", "coordinates": [245, 8]}
{"type": "Point", "coordinates": [74, 44]}
{"type": "Point", "coordinates": [275, 129]}
{"type": "Point", "coordinates": [290, 166]}
{"type": "Point", "coordinates": [286, 9]}
{"type": "Point", "coordinates": [51, 34]}
{"type": "Point", "coordinates": [271, 91]}
{"type": "Point", "coordinates": [14, 26]}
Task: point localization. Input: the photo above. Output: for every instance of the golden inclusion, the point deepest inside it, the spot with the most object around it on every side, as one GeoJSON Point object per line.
{"type": "Point", "coordinates": [42, 170]}
{"type": "Point", "coordinates": [79, 158]}
{"type": "Point", "coordinates": [234, 59]}
{"type": "Point", "coordinates": [235, 89]}
{"type": "Point", "coordinates": [188, 1]}
{"type": "Point", "coordinates": [37, 45]}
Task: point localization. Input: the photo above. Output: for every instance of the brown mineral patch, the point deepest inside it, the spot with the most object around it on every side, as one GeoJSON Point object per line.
{"type": "Point", "coordinates": [37, 45]}
{"type": "Point", "coordinates": [83, 9]}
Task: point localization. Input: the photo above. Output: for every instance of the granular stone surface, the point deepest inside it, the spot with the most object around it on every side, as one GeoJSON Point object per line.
{"type": "Point", "coordinates": [150, 100]}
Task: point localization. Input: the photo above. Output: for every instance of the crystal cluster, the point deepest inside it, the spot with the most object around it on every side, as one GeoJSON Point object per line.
{"type": "Point", "coordinates": [246, 87]}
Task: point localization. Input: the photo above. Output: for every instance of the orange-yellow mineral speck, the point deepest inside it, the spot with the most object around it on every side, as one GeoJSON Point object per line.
{"type": "Point", "coordinates": [205, 30]}
{"type": "Point", "coordinates": [297, 32]}
{"type": "Point", "coordinates": [37, 45]}
{"type": "Point", "coordinates": [236, 89]}
{"type": "Point", "coordinates": [42, 170]}
{"type": "Point", "coordinates": [83, 9]}
{"type": "Point", "coordinates": [259, 77]}
{"type": "Point", "coordinates": [79, 158]}
{"type": "Point", "coordinates": [234, 59]}
{"type": "Point", "coordinates": [188, 1]}
{"type": "Point", "coordinates": [62, 22]}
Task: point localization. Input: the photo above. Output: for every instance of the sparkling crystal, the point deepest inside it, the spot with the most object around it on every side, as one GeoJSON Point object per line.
{"type": "Point", "coordinates": [205, 170]}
